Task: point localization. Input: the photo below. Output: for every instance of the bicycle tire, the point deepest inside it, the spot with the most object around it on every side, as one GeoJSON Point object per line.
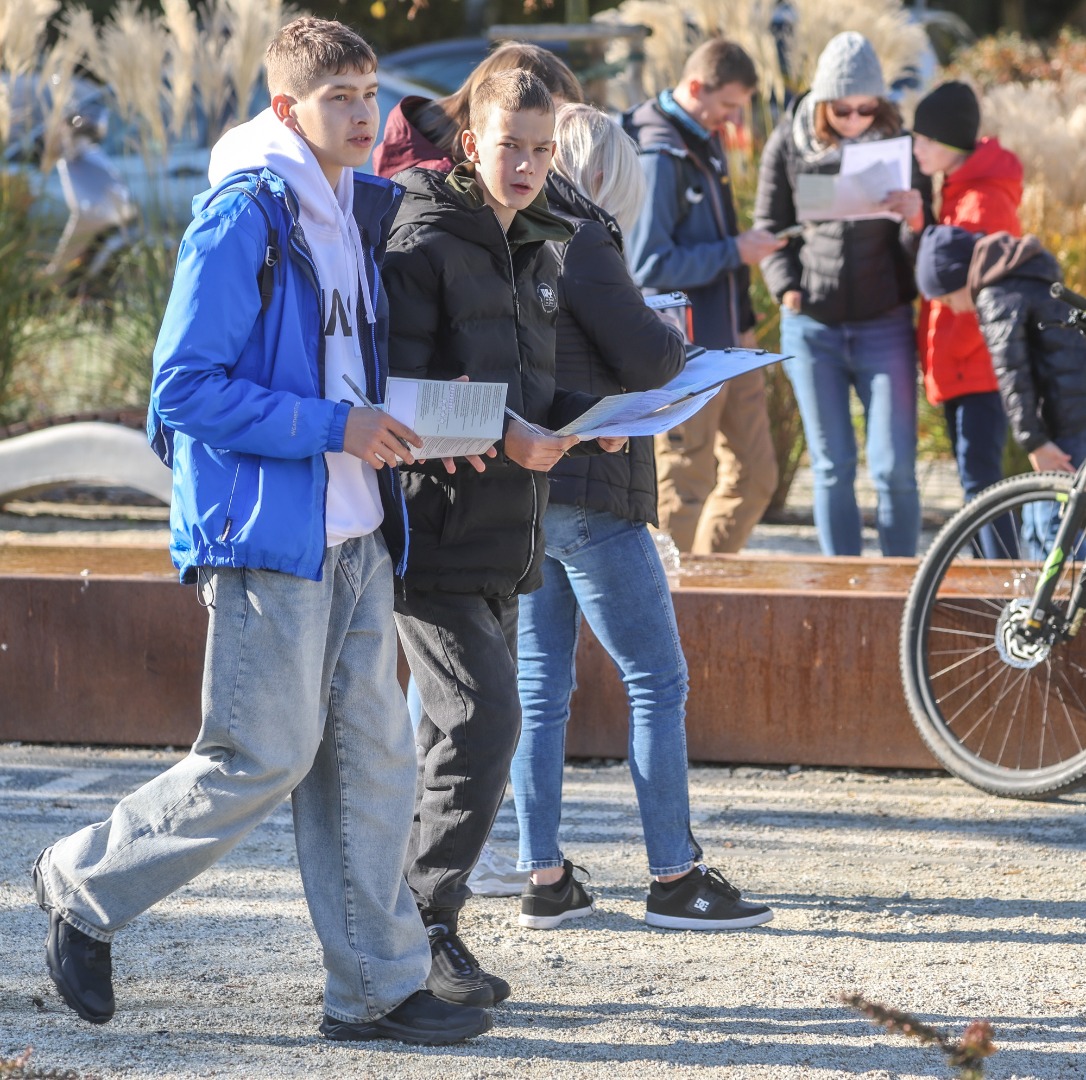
{"type": "Point", "coordinates": [1008, 721]}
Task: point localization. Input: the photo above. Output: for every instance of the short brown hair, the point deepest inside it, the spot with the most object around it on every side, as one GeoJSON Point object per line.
{"type": "Point", "coordinates": [887, 121]}
{"type": "Point", "coordinates": [307, 49]}
{"type": "Point", "coordinates": [443, 120]}
{"type": "Point", "coordinates": [511, 91]}
{"type": "Point", "coordinates": [717, 62]}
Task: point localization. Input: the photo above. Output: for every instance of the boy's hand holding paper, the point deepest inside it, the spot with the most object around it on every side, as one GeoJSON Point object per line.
{"type": "Point", "coordinates": [455, 418]}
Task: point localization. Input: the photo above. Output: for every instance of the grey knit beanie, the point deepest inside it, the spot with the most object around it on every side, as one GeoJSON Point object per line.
{"type": "Point", "coordinates": [848, 66]}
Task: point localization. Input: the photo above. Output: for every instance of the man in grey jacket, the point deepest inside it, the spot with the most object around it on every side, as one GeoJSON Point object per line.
{"type": "Point", "coordinates": [717, 471]}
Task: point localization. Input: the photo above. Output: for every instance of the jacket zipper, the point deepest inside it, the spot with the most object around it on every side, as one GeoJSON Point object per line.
{"type": "Point", "coordinates": [314, 280]}
{"type": "Point", "coordinates": [397, 491]}
{"type": "Point", "coordinates": [516, 334]}
{"type": "Point", "coordinates": [720, 213]}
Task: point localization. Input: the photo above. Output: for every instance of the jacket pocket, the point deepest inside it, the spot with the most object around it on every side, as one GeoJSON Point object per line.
{"type": "Point", "coordinates": [242, 498]}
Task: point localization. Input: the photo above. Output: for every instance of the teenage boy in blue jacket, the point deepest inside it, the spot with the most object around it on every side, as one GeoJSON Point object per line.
{"type": "Point", "coordinates": [282, 503]}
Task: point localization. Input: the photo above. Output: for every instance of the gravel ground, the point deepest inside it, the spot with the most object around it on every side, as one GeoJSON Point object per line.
{"type": "Point", "coordinates": [913, 889]}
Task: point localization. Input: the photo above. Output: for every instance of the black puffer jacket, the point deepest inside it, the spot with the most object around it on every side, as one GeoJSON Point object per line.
{"type": "Point", "coordinates": [1042, 373]}
{"type": "Point", "coordinates": [466, 300]}
{"type": "Point", "coordinates": [847, 271]}
{"type": "Point", "coordinates": [608, 342]}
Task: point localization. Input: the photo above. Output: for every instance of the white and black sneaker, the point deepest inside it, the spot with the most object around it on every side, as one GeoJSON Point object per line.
{"type": "Point", "coordinates": [543, 907]}
{"type": "Point", "coordinates": [702, 900]}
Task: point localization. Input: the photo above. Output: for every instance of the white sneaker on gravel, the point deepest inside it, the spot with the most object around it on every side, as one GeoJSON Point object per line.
{"type": "Point", "coordinates": [496, 874]}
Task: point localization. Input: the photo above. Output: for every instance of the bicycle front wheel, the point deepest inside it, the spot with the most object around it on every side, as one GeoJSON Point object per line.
{"type": "Point", "coordinates": [1000, 709]}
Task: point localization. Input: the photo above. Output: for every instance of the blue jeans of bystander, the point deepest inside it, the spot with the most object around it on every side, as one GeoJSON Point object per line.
{"type": "Point", "coordinates": [877, 358]}
{"type": "Point", "coordinates": [977, 426]}
{"type": "Point", "coordinates": [607, 568]}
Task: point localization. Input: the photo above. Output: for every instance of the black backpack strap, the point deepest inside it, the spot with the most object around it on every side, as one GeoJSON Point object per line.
{"type": "Point", "coordinates": [266, 275]}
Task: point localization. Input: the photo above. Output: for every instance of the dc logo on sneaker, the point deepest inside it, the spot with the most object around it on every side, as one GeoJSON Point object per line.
{"type": "Point", "coordinates": [700, 904]}
{"type": "Point", "coordinates": [547, 297]}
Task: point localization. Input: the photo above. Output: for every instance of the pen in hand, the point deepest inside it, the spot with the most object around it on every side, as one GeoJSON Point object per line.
{"type": "Point", "coordinates": [366, 403]}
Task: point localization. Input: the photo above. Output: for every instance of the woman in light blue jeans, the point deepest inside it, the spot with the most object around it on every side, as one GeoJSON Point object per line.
{"type": "Point", "coordinates": [876, 357]}
{"type": "Point", "coordinates": [846, 288]}
{"type": "Point", "coordinates": [602, 563]}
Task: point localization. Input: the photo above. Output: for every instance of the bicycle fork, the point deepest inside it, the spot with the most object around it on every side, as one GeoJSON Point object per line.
{"type": "Point", "coordinates": [1041, 604]}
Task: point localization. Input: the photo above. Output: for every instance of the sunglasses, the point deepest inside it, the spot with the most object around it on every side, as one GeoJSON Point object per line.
{"type": "Point", "coordinates": [843, 112]}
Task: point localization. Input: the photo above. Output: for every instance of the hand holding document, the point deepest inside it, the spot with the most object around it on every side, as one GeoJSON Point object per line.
{"type": "Point", "coordinates": [454, 419]}
{"type": "Point", "coordinates": [869, 172]}
{"type": "Point", "coordinates": [652, 411]}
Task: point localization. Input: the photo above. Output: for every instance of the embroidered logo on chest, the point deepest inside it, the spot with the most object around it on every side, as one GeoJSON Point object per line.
{"type": "Point", "coordinates": [547, 297]}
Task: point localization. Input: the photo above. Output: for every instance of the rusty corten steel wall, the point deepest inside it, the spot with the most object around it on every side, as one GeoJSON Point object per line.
{"type": "Point", "coordinates": [100, 660]}
{"type": "Point", "coordinates": [804, 679]}
{"type": "Point", "coordinates": [776, 677]}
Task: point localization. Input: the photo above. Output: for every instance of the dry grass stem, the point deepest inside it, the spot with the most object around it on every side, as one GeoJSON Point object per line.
{"type": "Point", "coordinates": [130, 57]}
{"type": "Point", "coordinates": [22, 31]}
{"type": "Point", "coordinates": [184, 38]}
{"type": "Point", "coordinates": [253, 23]}
{"type": "Point", "coordinates": [69, 51]}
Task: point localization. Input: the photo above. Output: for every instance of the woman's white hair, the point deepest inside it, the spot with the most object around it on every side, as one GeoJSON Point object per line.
{"type": "Point", "coordinates": [600, 160]}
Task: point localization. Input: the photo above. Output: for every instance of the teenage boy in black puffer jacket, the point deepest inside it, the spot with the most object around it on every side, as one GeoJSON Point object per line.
{"type": "Point", "coordinates": [473, 292]}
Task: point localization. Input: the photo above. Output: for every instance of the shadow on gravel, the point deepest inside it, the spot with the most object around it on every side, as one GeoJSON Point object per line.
{"type": "Point", "coordinates": [704, 1037]}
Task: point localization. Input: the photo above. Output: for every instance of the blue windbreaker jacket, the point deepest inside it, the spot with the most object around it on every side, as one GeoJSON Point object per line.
{"type": "Point", "coordinates": [237, 396]}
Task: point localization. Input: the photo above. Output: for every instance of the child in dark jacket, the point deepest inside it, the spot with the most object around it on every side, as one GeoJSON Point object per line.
{"type": "Point", "coordinates": [473, 292]}
{"type": "Point", "coordinates": [1041, 369]}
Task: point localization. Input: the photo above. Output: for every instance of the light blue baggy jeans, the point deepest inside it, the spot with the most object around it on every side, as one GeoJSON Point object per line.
{"type": "Point", "coordinates": [299, 695]}
{"type": "Point", "coordinates": [609, 569]}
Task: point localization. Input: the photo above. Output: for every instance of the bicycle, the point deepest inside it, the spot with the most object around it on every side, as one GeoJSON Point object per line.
{"type": "Point", "coordinates": [993, 666]}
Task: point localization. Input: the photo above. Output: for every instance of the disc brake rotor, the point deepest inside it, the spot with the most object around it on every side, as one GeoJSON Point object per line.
{"type": "Point", "coordinates": [1014, 648]}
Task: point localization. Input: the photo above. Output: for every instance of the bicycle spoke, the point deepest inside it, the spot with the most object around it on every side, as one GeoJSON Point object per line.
{"type": "Point", "coordinates": [1000, 669]}
{"type": "Point", "coordinates": [1071, 727]}
{"type": "Point", "coordinates": [945, 608]}
{"type": "Point", "coordinates": [965, 658]}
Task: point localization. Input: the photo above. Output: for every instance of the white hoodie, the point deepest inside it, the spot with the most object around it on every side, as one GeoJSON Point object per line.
{"type": "Point", "coordinates": [353, 504]}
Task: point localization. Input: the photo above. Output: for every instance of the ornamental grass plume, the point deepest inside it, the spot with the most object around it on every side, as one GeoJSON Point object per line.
{"type": "Point", "coordinates": [1042, 119]}
{"type": "Point", "coordinates": [184, 37]}
{"type": "Point", "coordinates": [966, 1055]}
{"type": "Point", "coordinates": [68, 52]}
{"type": "Point", "coordinates": [22, 31]}
{"type": "Point", "coordinates": [1044, 123]}
{"type": "Point", "coordinates": [129, 55]}
{"type": "Point", "coordinates": [252, 24]}
{"type": "Point", "coordinates": [676, 31]}
{"type": "Point", "coordinates": [23, 24]}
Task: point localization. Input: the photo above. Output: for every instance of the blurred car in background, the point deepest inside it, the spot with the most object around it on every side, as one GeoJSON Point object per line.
{"type": "Point", "coordinates": [440, 66]}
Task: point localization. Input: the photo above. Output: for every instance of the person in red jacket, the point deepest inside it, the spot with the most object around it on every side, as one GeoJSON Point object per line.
{"type": "Point", "coordinates": [981, 192]}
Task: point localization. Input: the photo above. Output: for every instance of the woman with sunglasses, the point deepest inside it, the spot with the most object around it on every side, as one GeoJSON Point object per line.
{"type": "Point", "coordinates": [846, 289]}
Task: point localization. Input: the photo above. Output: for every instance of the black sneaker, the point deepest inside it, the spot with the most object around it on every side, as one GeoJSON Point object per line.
{"type": "Point", "coordinates": [422, 1019]}
{"type": "Point", "coordinates": [80, 966]}
{"type": "Point", "coordinates": [702, 900]}
{"type": "Point", "coordinates": [455, 975]}
{"type": "Point", "coordinates": [543, 907]}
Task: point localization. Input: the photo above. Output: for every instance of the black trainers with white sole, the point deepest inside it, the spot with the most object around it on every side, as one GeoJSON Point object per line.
{"type": "Point", "coordinates": [543, 907]}
{"type": "Point", "coordinates": [702, 900]}
{"type": "Point", "coordinates": [422, 1020]}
